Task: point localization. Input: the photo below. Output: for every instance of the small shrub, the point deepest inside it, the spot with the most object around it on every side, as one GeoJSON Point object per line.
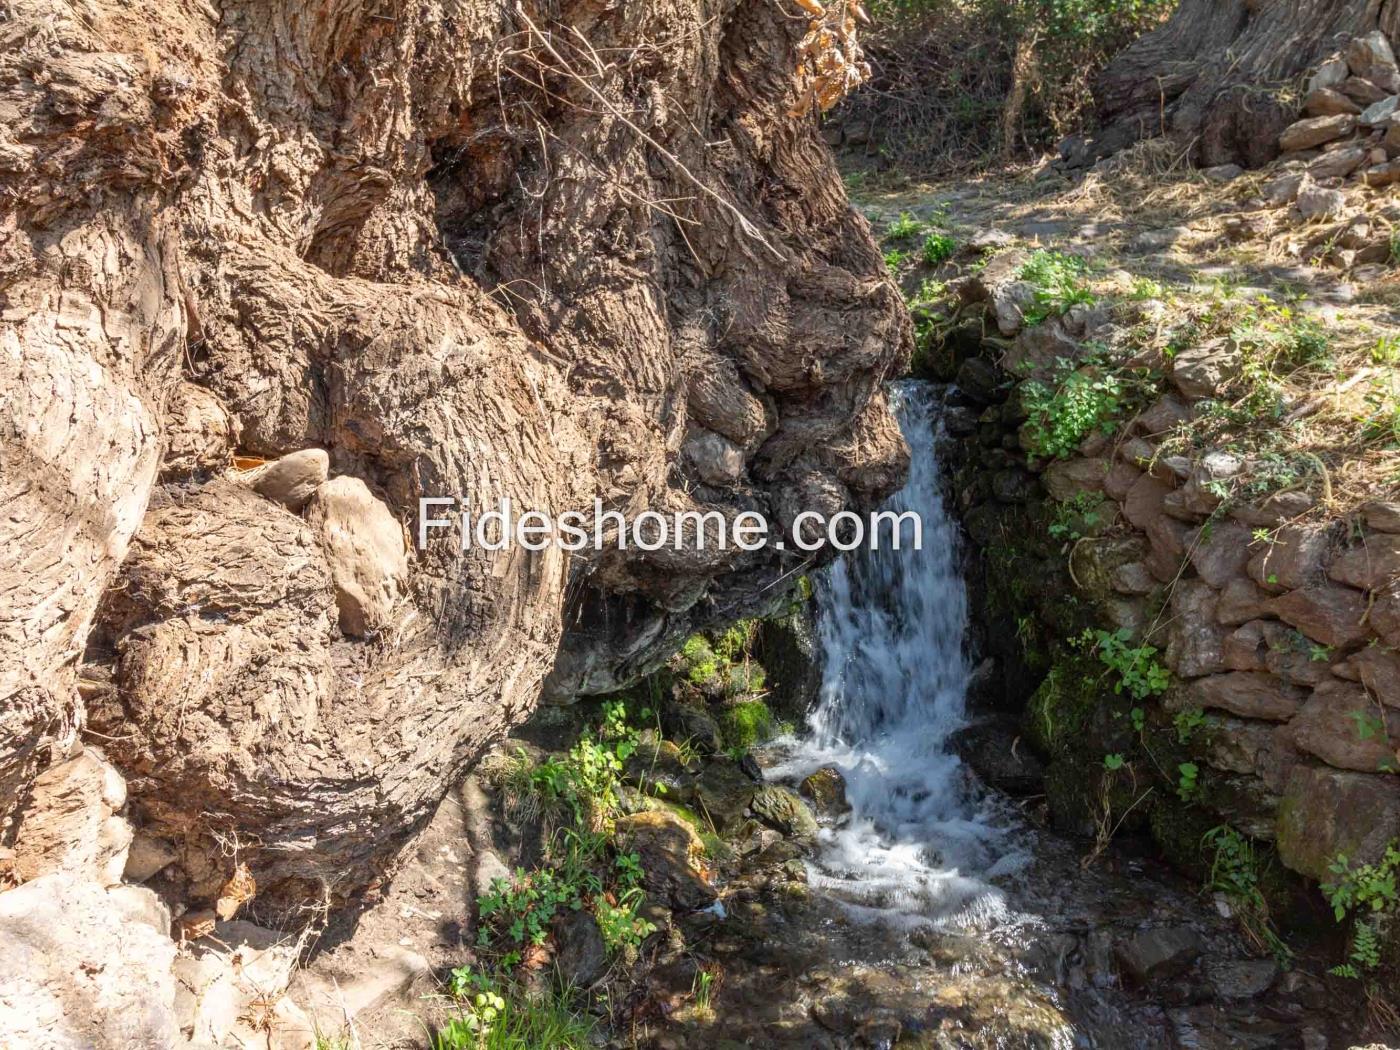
{"type": "Point", "coordinates": [904, 228]}
{"type": "Point", "coordinates": [1059, 284]}
{"type": "Point", "coordinates": [938, 248]}
{"type": "Point", "coordinates": [1138, 670]}
{"type": "Point", "coordinates": [1077, 516]}
{"type": "Point", "coordinates": [1364, 893]}
{"type": "Point", "coordinates": [1060, 418]}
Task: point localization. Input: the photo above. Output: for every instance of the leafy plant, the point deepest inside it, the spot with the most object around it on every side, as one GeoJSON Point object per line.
{"type": "Point", "coordinates": [895, 258]}
{"type": "Point", "coordinates": [904, 228]}
{"type": "Point", "coordinates": [1059, 418]}
{"type": "Point", "coordinates": [1077, 516]}
{"type": "Point", "coordinates": [1235, 872]}
{"type": "Point", "coordinates": [1365, 893]}
{"type": "Point", "coordinates": [1113, 762]}
{"type": "Point", "coordinates": [495, 1016]}
{"type": "Point", "coordinates": [1058, 281]}
{"type": "Point", "coordinates": [1187, 781]}
{"type": "Point", "coordinates": [938, 248]}
{"type": "Point", "coordinates": [1187, 721]}
{"type": "Point", "coordinates": [1138, 670]}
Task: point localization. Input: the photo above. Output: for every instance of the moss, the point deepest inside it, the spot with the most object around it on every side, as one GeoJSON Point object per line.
{"type": "Point", "coordinates": [699, 663]}
{"type": "Point", "coordinates": [734, 642]}
{"type": "Point", "coordinates": [746, 723]}
{"type": "Point", "coordinates": [1178, 828]}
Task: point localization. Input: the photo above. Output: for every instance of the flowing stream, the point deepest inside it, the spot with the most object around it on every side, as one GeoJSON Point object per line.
{"type": "Point", "coordinates": [921, 837]}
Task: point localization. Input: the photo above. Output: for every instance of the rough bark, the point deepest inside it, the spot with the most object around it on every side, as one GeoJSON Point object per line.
{"type": "Point", "coordinates": [1207, 75]}
{"type": "Point", "coordinates": [468, 249]}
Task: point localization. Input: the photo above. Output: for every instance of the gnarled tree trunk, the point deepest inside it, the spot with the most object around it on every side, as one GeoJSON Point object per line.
{"type": "Point", "coordinates": [1207, 75]}
{"type": "Point", "coordinates": [469, 249]}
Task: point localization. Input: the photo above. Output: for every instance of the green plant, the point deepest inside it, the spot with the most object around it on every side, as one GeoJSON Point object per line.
{"type": "Point", "coordinates": [698, 660]}
{"type": "Point", "coordinates": [1058, 283]}
{"type": "Point", "coordinates": [745, 723]}
{"type": "Point", "coordinates": [1145, 288]}
{"type": "Point", "coordinates": [1060, 417]}
{"type": "Point", "coordinates": [904, 228]}
{"type": "Point", "coordinates": [619, 923]}
{"type": "Point", "coordinates": [1235, 872]}
{"type": "Point", "coordinates": [938, 248]}
{"type": "Point", "coordinates": [895, 258]}
{"type": "Point", "coordinates": [703, 990]}
{"type": "Point", "coordinates": [1364, 893]}
{"type": "Point", "coordinates": [1138, 670]}
{"type": "Point", "coordinates": [1077, 516]}
{"type": "Point", "coordinates": [493, 1016]}
{"type": "Point", "coordinates": [1187, 721]}
{"type": "Point", "coordinates": [520, 910]}
{"type": "Point", "coordinates": [1113, 762]}
{"type": "Point", "coordinates": [1187, 781]}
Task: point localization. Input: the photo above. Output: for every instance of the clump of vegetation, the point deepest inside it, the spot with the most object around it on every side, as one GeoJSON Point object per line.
{"type": "Point", "coordinates": [1077, 517]}
{"type": "Point", "coordinates": [1063, 416]}
{"type": "Point", "coordinates": [746, 723]}
{"type": "Point", "coordinates": [1235, 871]}
{"type": "Point", "coordinates": [1367, 893]}
{"type": "Point", "coordinates": [1058, 280]}
{"type": "Point", "coordinates": [904, 228]}
{"type": "Point", "coordinates": [492, 1015]}
{"type": "Point", "coordinates": [1138, 670]}
{"type": "Point", "coordinates": [938, 248]}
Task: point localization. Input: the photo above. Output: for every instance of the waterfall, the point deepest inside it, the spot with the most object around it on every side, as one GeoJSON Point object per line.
{"type": "Point", "coordinates": [893, 627]}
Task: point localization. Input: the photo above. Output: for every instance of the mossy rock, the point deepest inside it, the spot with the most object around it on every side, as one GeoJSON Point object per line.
{"type": "Point", "coordinates": [744, 723]}
{"type": "Point", "coordinates": [783, 811]}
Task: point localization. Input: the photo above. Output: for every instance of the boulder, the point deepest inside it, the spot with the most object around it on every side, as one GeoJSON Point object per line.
{"type": "Point", "coordinates": [1294, 556]}
{"type": "Point", "coordinates": [1378, 114]}
{"type": "Point", "coordinates": [1385, 615]}
{"type": "Point", "coordinates": [1205, 371]}
{"type": "Point", "coordinates": [68, 823]}
{"type": "Point", "coordinates": [1362, 91]}
{"type": "Point", "coordinates": [86, 967]}
{"type": "Point", "coordinates": [996, 750]}
{"type": "Point", "coordinates": [1378, 669]}
{"type": "Point", "coordinates": [1326, 612]}
{"type": "Point", "coordinates": [1371, 566]}
{"type": "Point", "coordinates": [1038, 352]}
{"type": "Point", "coordinates": [979, 381]}
{"type": "Point", "coordinates": [1382, 175]}
{"type": "Point", "coordinates": [1370, 56]}
{"type": "Point", "coordinates": [1241, 600]}
{"type": "Point", "coordinates": [1337, 164]}
{"type": "Point", "coordinates": [722, 794]}
{"type": "Point", "coordinates": [783, 811]}
{"type": "Point", "coordinates": [1344, 727]}
{"type": "Point", "coordinates": [1316, 202]}
{"type": "Point", "coordinates": [826, 790]}
{"type": "Point", "coordinates": [1219, 552]}
{"type": "Point", "coordinates": [1381, 516]}
{"type": "Point", "coordinates": [692, 724]}
{"type": "Point", "coordinates": [1329, 75]}
{"type": "Point", "coordinates": [1249, 694]}
{"type": "Point", "coordinates": [1066, 478]}
{"type": "Point", "coordinates": [1196, 642]}
{"type": "Point", "coordinates": [1314, 131]}
{"type": "Point", "coordinates": [1273, 510]}
{"type": "Point", "coordinates": [1328, 102]}
{"type": "Point", "coordinates": [1120, 479]}
{"type": "Point", "coordinates": [1294, 657]}
{"type": "Point", "coordinates": [1159, 954]}
{"type": "Point", "coordinates": [365, 549]}
{"type": "Point", "coordinates": [1325, 811]}
{"type": "Point", "coordinates": [291, 480]}
{"type": "Point", "coordinates": [667, 847]}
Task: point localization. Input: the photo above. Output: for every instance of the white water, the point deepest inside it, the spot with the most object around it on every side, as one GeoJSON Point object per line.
{"type": "Point", "coordinates": [921, 837]}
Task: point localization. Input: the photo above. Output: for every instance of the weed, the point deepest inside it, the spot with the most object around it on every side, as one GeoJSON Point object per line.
{"type": "Point", "coordinates": [895, 258]}
{"type": "Point", "coordinates": [1235, 872]}
{"type": "Point", "coordinates": [904, 228]}
{"type": "Point", "coordinates": [492, 1016]}
{"type": "Point", "coordinates": [1138, 670]}
{"type": "Point", "coordinates": [1060, 418]}
{"type": "Point", "coordinates": [1058, 282]}
{"type": "Point", "coordinates": [1364, 893]}
{"type": "Point", "coordinates": [1078, 516]}
{"type": "Point", "coordinates": [938, 248]}
{"type": "Point", "coordinates": [1187, 722]}
{"type": "Point", "coordinates": [1113, 762]}
{"type": "Point", "coordinates": [1187, 780]}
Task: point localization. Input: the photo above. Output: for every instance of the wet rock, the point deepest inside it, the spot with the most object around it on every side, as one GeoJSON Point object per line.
{"type": "Point", "coordinates": [1205, 371]}
{"type": "Point", "coordinates": [582, 957]}
{"type": "Point", "coordinates": [658, 763]}
{"type": "Point", "coordinates": [826, 790]}
{"type": "Point", "coordinates": [291, 480]}
{"type": "Point", "coordinates": [365, 549]}
{"type": "Point", "coordinates": [722, 794]}
{"type": "Point", "coordinates": [1159, 954]}
{"type": "Point", "coordinates": [1328, 613]}
{"type": "Point", "coordinates": [692, 724]}
{"type": "Point", "coordinates": [667, 847]}
{"type": "Point", "coordinates": [1372, 565]}
{"type": "Point", "coordinates": [1249, 694]}
{"type": "Point", "coordinates": [1316, 202]}
{"type": "Point", "coordinates": [1241, 600]}
{"type": "Point", "coordinates": [1343, 726]}
{"type": "Point", "coordinates": [783, 811]}
{"type": "Point", "coordinates": [960, 421]}
{"type": "Point", "coordinates": [1241, 978]}
{"type": "Point", "coordinates": [979, 381]}
{"type": "Point", "coordinates": [996, 751]}
{"type": "Point", "coordinates": [1066, 478]}
{"type": "Point", "coordinates": [788, 650]}
{"type": "Point", "coordinates": [1314, 131]}
{"type": "Point", "coordinates": [1013, 486]}
{"type": "Point", "coordinates": [1328, 102]}
{"type": "Point", "coordinates": [1327, 811]}
{"type": "Point", "coordinates": [1382, 517]}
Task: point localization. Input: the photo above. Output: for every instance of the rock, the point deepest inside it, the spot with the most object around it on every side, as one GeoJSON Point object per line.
{"type": "Point", "coordinates": [1385, 616]}
{"type": "Point", "coordinates": [1241, 600]}
{"type": "Point", "coordinates": [989, 238]}
{"type": "Point", "coordinates": [1013, 485]}
{"type": "Point", "coordinates": [231, 985]}
{"type": "Point", "coordinates": [1328, 102]}
{"type": "Point", "coordinates": [291, 480]}
{"type": "Point", "coordinates": [200, 434]}
{"type": "Point", "coordinates": [1205, 371]}
{"type": "Point", "coordinates": [1285, 189]}
{"type": "Point", "coordinates": [1378, 669]}
{"type": "Point", "coordinates": [84, 967]}
{"type": "Point", "coordinates": [1159, 954]}
{"type": "Point", "coordinates": [1273, 510]}
{"type": "Point", "coordinates": [1196, 643]}
{"type": "Point", "coordinates": [365, 549]}
{"type": "Point", "coordinates": [1236, 745]}
{"type": "Point", "coordinates": [979, 381]}
{"type": "Point", "coordinates": [1362, 91]}
{"type": "Point", "coordinates": [1245, 647]}
{"type": "Point", "coordinates": [1382, 517]}
{"type": "Point", "coordinates": [1370, 56]}
{"type": "Point", "coordinates": [1040, 352]}
{"type": "Point", "coordinates": [1222, 173]}
{"type": "Point", "coordinates": [1294, 657]}
{"type": "Point", "coordinates": [1330, 74]}
{"type": "Point", "coordinates": [1249, 694]}
{"type": "Point", "coordinates": [1382, 175]}
{"type": "Point", "coordinates": [1294, 556]}
{"type": "Point", "coordinates": [1325, 612]}
{"type": "Point", "coordinates": [667, 847]}
{"type": "Point", "coordinates": [147, 856]}
{"type": "Point", "coordinates": [788, 649]}
{"type": "Point", "coordinates": [1378, 114]}
{"type": "Point", "coordinates": [1066, 478]}
{"type": "Point", "coordinates": [1315, 202]}
{"type": "Point", "coordinates": [995, 750]}
{"type": "Point", "coordinates": [1371, 566]}
{"type": "Point", "coordinates": [1337, 164]}
{"type": "Point", "coordinates": [692, 724]}
{"type": "Point", "coordinates": [826, 790]}
{"type": "Point", "coordinates": [1343, 726]}
{"type": "Point", "coordinates": [1327, 811]}
{"type": "Point", "coordinates": [960, 421]}
{"type": "Point", "coordinates": [582, 956]}
{"type": "Point", "coordinates": [783, 811]}
{"type": "Point", "coordinates": [68, 823]}
{"type": "Point", "coordinates": [657, 763]}
{"type": "Point", "coordinates": [1120, 479]}
{"type": "Point", "coordinates": [1314, 131]}
{"type": "Point", "coordinates": [722, 794]}
{"type": "Point", "coordinates": [1219, 552]}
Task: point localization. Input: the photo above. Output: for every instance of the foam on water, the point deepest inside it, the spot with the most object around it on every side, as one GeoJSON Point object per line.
{"type": "Point", "coordinates": [921, 837]}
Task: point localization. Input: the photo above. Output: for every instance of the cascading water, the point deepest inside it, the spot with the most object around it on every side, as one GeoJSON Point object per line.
{"type": "Point", "coordinates": [893, 626]}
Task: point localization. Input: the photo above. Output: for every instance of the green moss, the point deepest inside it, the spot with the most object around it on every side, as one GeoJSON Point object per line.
{"type": "Point", "coordinates": [734, 642]}
{"type": "Point", "coordinates": [1178, 829]}
{"type": "Point", "coordinates": [746, 723]}
{"type": "Point", "coordinates": [699, 663]}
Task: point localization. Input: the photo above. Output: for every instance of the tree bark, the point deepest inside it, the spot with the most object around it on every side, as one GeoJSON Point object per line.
{"type": "Point", "coordinates": [473, 250]}
{"type": "Point", "coordinates": [1208, 75]}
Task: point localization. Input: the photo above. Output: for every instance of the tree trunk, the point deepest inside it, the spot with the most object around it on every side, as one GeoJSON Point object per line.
{"type": "Point", "coordinates": [1209, 75]}
{"type": "Point", "coordinates": [469, 249]}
